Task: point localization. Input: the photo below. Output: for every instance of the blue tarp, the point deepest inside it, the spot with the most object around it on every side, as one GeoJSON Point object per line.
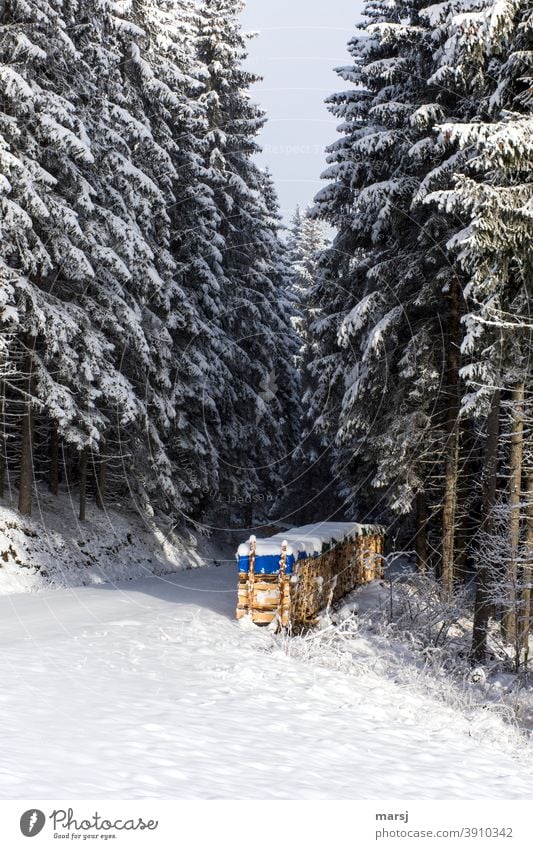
{"type": "Point", "coordinates": [266, 564]}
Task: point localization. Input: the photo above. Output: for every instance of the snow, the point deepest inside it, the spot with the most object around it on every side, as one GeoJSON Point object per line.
{"type": "Point", "coordinates": [14, 85]}
{"type": "Point", "coordinates": [308, 539]}
{"type": "Point", "coordinates": [357, 317]}
{"type": "Point", "coordinates": [150, 689]}
{"type": "Point", "coordinates": [54, 549]}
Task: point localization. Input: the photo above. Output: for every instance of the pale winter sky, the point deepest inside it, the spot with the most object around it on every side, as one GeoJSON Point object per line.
{"type": "Point", "coordinates": [299, 44]}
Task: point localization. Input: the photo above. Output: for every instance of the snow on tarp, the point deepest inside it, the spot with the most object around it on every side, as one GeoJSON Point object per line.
{"type": "Point", "coordinates": [302, 543]}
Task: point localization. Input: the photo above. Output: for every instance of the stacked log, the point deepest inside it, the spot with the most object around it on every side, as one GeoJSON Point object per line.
{"type": "Point", "coordinates": [316, 582]}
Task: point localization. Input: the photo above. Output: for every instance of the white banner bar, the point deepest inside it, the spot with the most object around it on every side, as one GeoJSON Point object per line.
{"type": "Point", "coordinates": [267, 825]}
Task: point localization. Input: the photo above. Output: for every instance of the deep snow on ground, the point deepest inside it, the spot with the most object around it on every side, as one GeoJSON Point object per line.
{"type": "Point", "coordinates": [151, 689]}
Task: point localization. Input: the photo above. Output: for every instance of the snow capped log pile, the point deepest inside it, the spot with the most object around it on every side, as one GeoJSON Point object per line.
{"type": "Point", "coordinates": [291, 576]}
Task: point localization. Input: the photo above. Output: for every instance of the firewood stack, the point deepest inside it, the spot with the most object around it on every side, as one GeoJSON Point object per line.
{"type": "Point", "coordinates": [291, 577]}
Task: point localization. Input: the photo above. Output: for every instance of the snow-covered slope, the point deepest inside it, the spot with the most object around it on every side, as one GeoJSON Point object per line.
{"type": "Point", "coordinates": [151, 689]}
{"type": "Point", "coordinates": [54, 549]}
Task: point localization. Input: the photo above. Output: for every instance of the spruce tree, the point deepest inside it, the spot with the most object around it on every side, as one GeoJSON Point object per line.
{"type": "Point", "coordinates": [386, 289]}
{"type": "Point", "coordinates": [312, 490]}
{"type": "Point", "coordinates": [44, 151]}
{"type": "Point", "coordinates": [491, 195]}
{"type": "Point", "coordinates": [252, 320]}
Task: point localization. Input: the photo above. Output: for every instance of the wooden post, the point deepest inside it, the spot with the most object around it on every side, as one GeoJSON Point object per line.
{"type": "Point", "coordinates": [251, 575]}
{"type": "Point", "coordinates": [282, 612]}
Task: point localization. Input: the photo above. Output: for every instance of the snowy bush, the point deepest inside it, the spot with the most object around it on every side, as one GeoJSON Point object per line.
{"type": "Point", "coordinates": [403, 628]}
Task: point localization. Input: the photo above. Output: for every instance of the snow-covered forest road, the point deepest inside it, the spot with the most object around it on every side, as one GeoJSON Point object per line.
{"type": "Point", "coordinates": [151, 689]}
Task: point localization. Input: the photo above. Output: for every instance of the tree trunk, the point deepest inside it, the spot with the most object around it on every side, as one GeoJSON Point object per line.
{"type": "Point", "coordinates": [509, 620]}
{"type": "Point", "coordinates": [453, 399]}
{"type": "Point", "coordinates": [465, 530]}
{"type": "Point", "coordinates": [53, 476]}
{"type": "Point", "coordinates": [484, 577]}
{"type": "Point", "coordinates": [101, 480]}
{"type": "Point", "coordinates": [421, 533]}
{"type": "Point", "coordinates": [527, 592]}
{"type": "Point", "coordinates": [83, 484]}
{"type": "Point", "coordinates": [2, 438]}
{"type": "Point", "coordinates": [26, 459]}
{"type": "Point", "coordinates": [69, 463]}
